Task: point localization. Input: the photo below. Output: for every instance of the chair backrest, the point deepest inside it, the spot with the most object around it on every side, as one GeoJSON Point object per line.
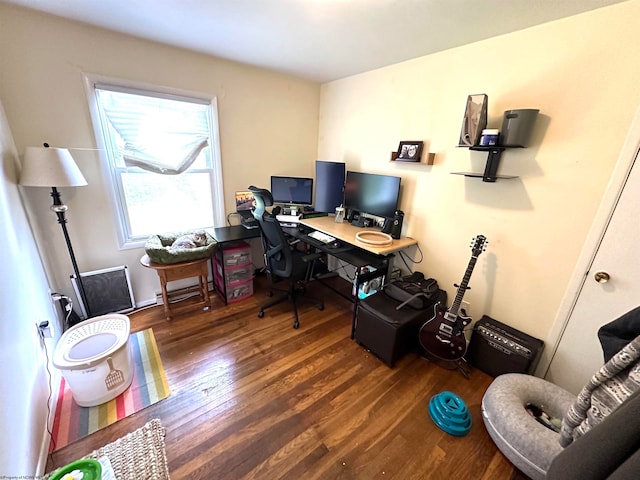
{"type": "Point", "coordinates": [278, 258]}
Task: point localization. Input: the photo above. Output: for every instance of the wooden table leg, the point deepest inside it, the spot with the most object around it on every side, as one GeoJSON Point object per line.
{"type": "Point", "coordinates": [178, 271]}
{"type": "Point", "coordinates": [165, 294]}
{"type": "Point", "coordinates": [204, 285]}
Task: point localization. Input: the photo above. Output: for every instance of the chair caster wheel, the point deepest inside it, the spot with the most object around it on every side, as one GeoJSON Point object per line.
{"type": "Point", "coordinates": [296, 324]}
{"type": "Point", "coordinates": [321, 306]}
{"type": "Point", "coordinates": [260, 314]}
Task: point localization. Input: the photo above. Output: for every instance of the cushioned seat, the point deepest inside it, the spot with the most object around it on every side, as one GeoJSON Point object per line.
{"type": "Point", "coordinates": [387, 332]}
{"type": "Point", "coordinates": [158, 247]}
{"type": "Point", "coordinates": [529, 445]}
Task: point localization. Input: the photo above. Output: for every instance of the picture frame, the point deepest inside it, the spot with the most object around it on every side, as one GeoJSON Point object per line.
{"type": "Point", "coordinates": [410, 151]}
{"type": "Point", "coordinates": [474, 121]}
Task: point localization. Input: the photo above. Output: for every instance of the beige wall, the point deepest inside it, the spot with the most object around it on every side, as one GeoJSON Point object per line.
{"type": "Point", "coordinates": [25, 303]}
{"type": "Point", "coordinates": [581, 72]}
{"type": "Point", "coordinates": [582, 82]}
{"type": "Point", "coordinates": [268, 124]}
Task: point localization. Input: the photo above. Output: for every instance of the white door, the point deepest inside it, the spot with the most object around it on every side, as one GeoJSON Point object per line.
{"type": "Point", "coordinates": [611, 288]}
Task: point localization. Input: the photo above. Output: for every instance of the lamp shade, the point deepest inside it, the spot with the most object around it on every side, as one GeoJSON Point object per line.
{"type": "Point", "coordinates": [50, 167]}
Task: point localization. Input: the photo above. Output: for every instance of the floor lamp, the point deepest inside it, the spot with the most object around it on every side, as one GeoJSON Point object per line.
{"type": "Point", "coordinates": [55, 167]}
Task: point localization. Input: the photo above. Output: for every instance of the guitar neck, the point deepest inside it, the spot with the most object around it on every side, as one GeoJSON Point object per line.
{"type": "Point", "coordinates": [455, 306]}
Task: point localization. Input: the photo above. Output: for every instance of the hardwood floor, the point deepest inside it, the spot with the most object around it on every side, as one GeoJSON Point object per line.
{"type": "Point", "coordinates": [253, 398]}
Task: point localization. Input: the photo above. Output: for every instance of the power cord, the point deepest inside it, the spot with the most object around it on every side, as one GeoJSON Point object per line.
{"type": "Point", "coordinates": [406, 257]}
{"type": "Point", "coordinates": [50, 396]}
{"type": "Point", "coordinates": [67, 307]}
{"type": "Point", "coordinates": [233, 214]}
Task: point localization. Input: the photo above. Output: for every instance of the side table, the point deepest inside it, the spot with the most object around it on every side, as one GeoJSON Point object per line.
{"type": "Point", "coordinates": [178, 271]}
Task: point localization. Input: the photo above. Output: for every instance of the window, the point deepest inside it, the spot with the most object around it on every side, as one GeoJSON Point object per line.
{"type": "Point", "coordinates": [162, 156]}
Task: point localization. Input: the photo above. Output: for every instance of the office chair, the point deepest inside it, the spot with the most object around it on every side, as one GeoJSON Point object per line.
{"type": "Point", "coordinates": [282, 261]}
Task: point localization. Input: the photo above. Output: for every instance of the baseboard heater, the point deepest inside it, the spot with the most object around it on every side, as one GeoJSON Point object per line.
{"type": "Point", "coordinates": [107, 291]}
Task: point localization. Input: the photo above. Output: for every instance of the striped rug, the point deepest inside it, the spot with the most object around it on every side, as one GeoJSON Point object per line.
{"type": "Point", "coordinates": [149, 386]}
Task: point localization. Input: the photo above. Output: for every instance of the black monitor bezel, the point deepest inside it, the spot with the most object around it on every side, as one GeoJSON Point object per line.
{"type": "Point", "coordinates": [358, 205]}
{"type": "Point", "coordinates": [298, 201]}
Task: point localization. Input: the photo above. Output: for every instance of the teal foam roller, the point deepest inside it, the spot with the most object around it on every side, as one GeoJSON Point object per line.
{"type": "Point", "coordinates": [449, 412]}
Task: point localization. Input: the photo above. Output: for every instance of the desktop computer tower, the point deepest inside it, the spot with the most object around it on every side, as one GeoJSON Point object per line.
{"type": "Point", "coordinates": [329, 185]}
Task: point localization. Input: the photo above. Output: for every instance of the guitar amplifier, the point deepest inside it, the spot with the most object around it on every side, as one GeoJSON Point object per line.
{"type": "Point", "coordinates": [496, 348]}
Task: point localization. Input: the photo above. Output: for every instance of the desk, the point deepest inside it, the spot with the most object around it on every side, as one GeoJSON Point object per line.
{"type": "Point", "coordinates": [346, 233]}
{"type": "Point", "coordinates": [233, 233]}
{"type": "Point", "coordinates": [352, 251]}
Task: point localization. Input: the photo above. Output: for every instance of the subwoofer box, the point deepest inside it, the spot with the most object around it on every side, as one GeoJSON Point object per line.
{"type": "Point", "coordinates": [496, 348]}
{"type": "Point", "coordinates": [387, 332]}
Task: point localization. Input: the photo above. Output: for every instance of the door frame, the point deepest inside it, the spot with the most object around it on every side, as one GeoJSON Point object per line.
{"type": "Point", "coordinates": [594, 238]}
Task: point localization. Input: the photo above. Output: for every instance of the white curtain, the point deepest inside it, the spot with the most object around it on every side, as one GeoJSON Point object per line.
{"type": "Point", "coordinates": [160, 135]}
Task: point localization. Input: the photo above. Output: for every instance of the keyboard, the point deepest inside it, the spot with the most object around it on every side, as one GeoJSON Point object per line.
{"type": "Point", "coordinates": [322, 237]}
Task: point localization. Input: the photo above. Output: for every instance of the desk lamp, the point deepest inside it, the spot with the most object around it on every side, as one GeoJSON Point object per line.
{"type": "Point", "coordinates": [55, 167]}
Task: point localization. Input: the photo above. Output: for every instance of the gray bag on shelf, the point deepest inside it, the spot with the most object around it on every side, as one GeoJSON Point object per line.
{"type": "Point", "coordinates": [414, 291]}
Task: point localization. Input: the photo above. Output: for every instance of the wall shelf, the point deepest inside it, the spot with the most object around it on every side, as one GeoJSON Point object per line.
{"type": "Point", "coordinates": [494, 153]}
{"type": "Point", "coordinates": [427, 159]}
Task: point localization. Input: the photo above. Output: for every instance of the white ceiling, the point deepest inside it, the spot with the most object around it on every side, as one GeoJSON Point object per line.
{"type": "Point", "coordinates": [320, 40]}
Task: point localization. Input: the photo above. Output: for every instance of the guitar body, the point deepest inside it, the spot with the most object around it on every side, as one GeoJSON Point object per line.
{"type": "Point", "coordinates": [443, 334]}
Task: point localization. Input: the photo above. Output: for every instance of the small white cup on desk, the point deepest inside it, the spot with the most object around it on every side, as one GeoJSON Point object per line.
{"type": "Point", "coordinates": [339, 214]}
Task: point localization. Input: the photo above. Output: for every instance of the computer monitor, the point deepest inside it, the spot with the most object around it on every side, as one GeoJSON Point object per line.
{"type": "Point", "coordinates": [292, 190]}
{"type": "Point", "coordinates": [244, 201]}
{"type": "Point", "coordinates": [371, 193]}
{"type": "Point", "coordinates": [329, 186]}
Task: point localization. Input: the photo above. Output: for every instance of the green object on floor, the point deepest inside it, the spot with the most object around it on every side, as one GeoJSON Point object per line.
{"type": "Point", "coordinates": [85, 469]}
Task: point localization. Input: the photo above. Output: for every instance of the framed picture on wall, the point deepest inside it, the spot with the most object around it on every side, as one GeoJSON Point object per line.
{"type": "Point", "coordinates": [409, 151]}
{"type": "Point", "coordinates": [474, 121]}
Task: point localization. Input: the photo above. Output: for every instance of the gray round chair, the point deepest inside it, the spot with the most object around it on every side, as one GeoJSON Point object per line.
{"type": "Point", "coordinates": [529, 445]}
{"type": "Point", "coordinates": [532, 447]}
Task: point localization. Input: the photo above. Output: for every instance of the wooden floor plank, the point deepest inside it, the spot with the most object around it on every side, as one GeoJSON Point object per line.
{"type": "Point", "coordinates": [253, 398]}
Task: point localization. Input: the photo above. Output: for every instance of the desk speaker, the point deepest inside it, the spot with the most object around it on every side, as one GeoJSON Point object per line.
{"type": "Point", "coordinates": [496, 348]}
{"type": "Point", "coordinates": [393, 226]}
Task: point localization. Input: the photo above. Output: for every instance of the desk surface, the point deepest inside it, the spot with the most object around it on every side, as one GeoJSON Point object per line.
{"type": "Point", "coordinates": [347, 233]}
{"type": "Point", "coordinates": [233, 233]}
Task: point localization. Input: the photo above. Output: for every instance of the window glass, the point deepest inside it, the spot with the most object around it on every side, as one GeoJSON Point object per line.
{"type": "Point", "coordinates": [162, 163]}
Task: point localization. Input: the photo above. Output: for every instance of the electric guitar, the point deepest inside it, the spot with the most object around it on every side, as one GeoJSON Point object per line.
{"type": "Point", "coordinates": [443, 334]}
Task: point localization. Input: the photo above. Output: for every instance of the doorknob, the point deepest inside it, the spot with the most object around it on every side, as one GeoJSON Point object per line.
{"type": "Point", "coordinates": [601, 277]}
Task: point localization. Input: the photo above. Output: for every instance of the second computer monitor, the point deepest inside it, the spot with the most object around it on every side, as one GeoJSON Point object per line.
{"type": "Point", "coordinates": [329, 185]}
{"type": "Point", "coordinates": [292, 190]}
{"type": "Point", "coordinates": [371, 193]}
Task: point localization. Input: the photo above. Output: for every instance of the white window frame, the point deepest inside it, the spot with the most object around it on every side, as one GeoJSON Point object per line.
{"type": "Point", "coordinates": [116, 196]}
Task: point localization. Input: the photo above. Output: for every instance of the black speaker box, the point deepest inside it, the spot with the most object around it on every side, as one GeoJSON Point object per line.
{"type": "Point", "coordinates": [496, 348]}
{"type": "Point", "coordinates": [393, 226]}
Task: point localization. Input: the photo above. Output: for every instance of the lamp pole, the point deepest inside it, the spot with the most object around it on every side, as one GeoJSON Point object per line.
{"type": "Point", "coordinates": [60, 208]}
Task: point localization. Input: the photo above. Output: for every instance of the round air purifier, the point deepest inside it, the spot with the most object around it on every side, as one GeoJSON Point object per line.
{"type": "Point", "coordinates": [94, 358]}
